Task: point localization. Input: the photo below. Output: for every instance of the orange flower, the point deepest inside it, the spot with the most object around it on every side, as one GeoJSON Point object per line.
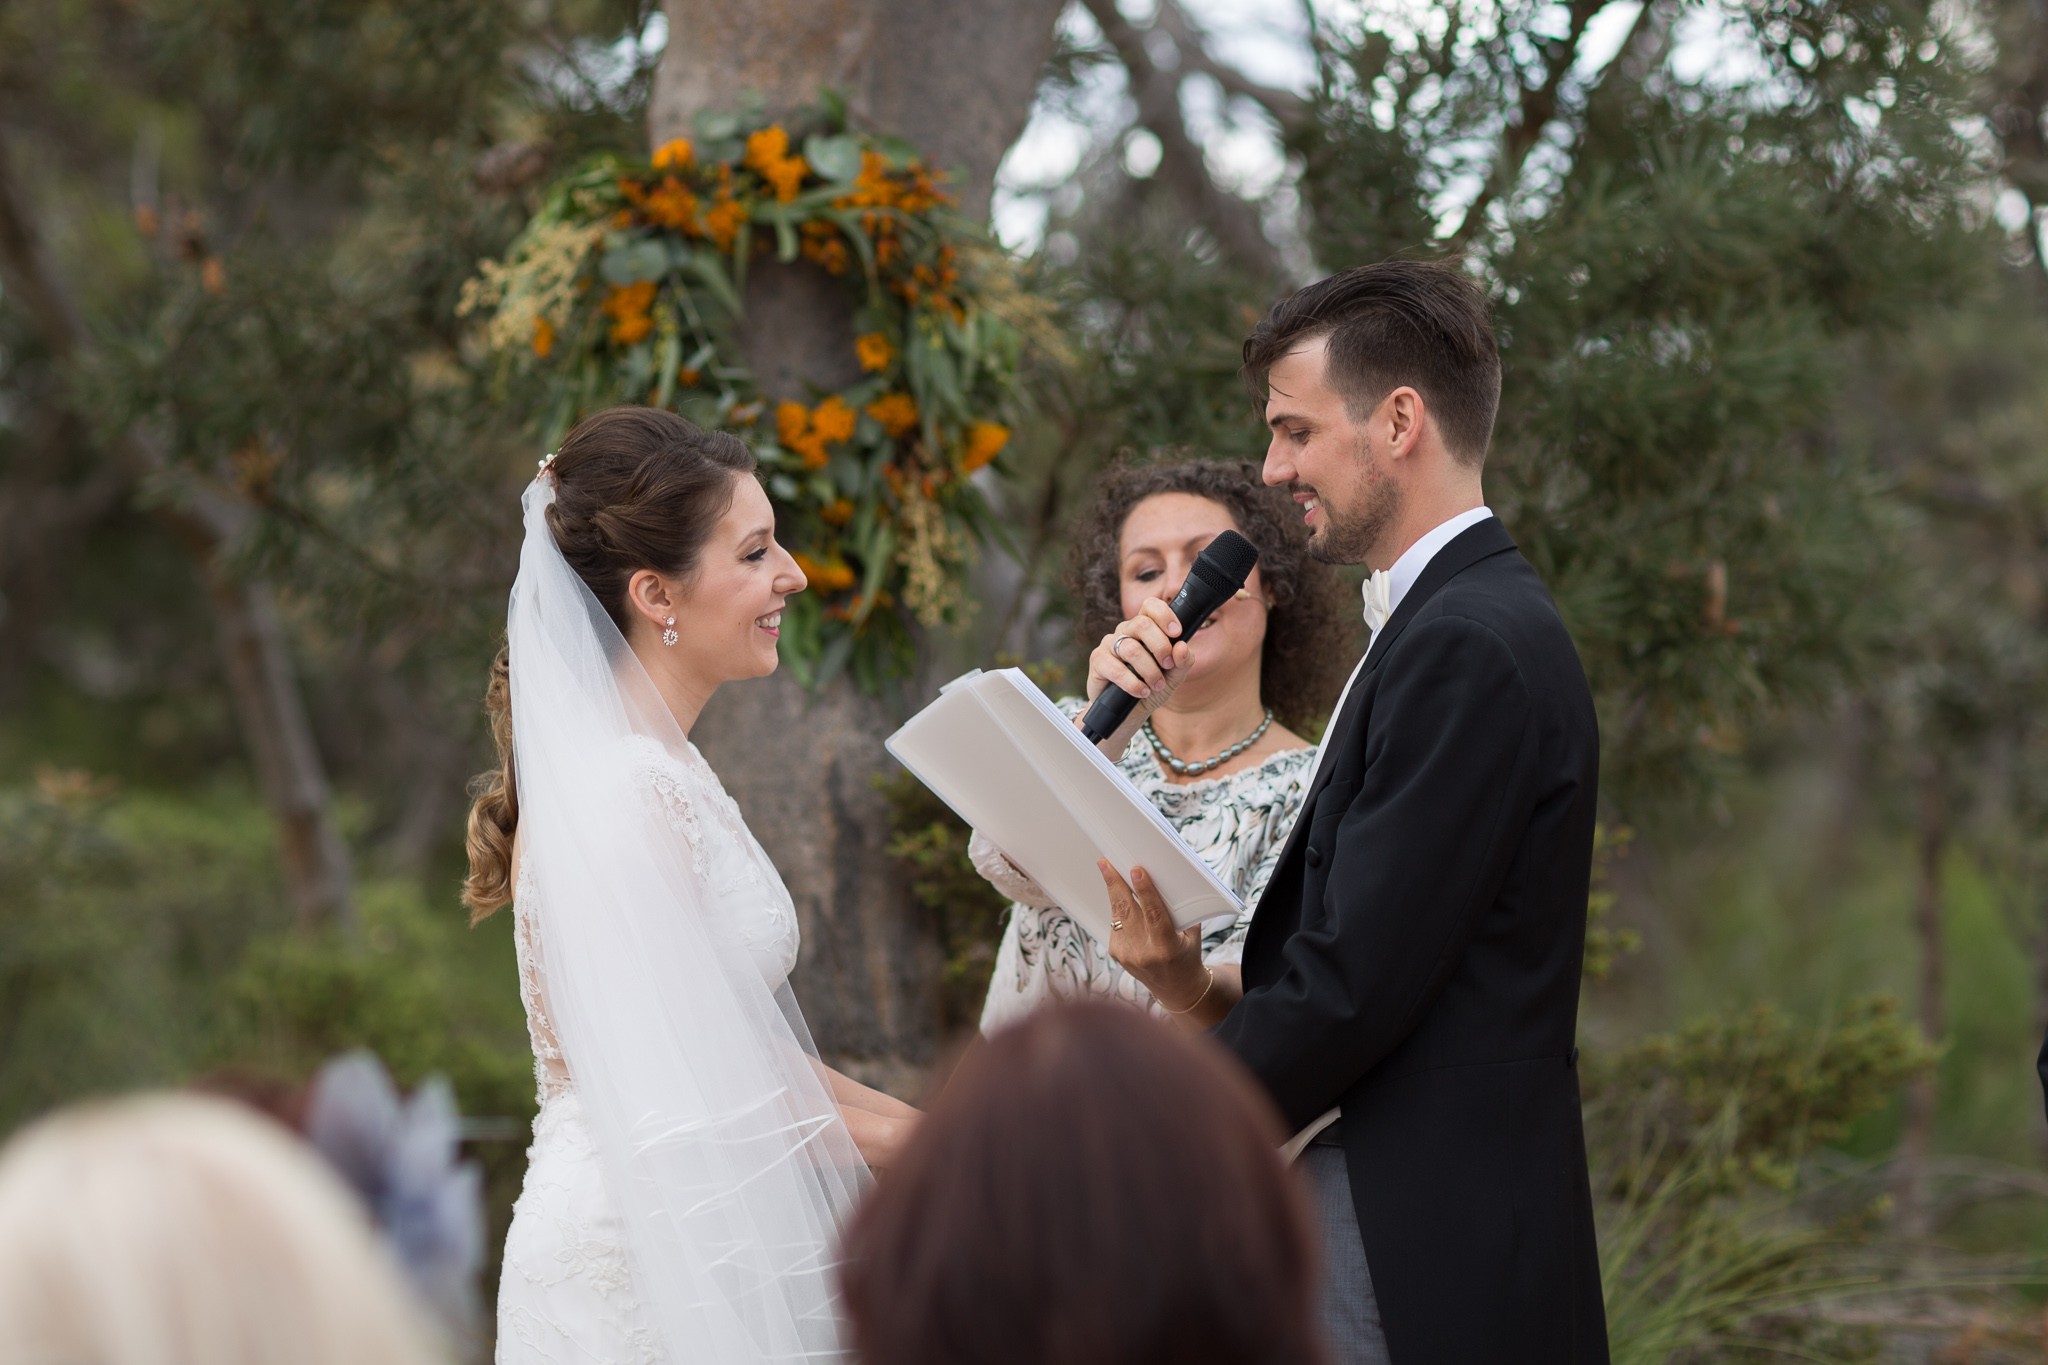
{"type": "Point", "coordinates": [543, 337]}
{"type": "Point", "coordinates": [626, 331]}
{"type": "Point", "coordinates": [768, 155]}
{"type": "Point", "coordinates": [832, 575]}
{"type": "Point", "coordinates": [672, 205]}
{"type": "Point", "coordinates": [837, 512]}
{"type": "Point", "coordinates": [874, 351]}
{"type": "Point", "coordinates": [629, 300]}
{"type": "Point", "coordinates": [722, 222]}
{"type": "Point", "coordinates": [984, 439]}
{"type": "Point", "coordinates": [811, 446]}
{"type": "Point", "coordinates": [833, 420]}
{"type": "Point", "coordinates": [897, 412]}
{"type": "Point", "coordinates": [213, 276]}
{"type": "Point", "coordinates": [676, 152]}
{"type": "Point", "coordinates": [623, 219]}
{"type": "Point", "coordinates": [791, 421]}
{"type": "Point", "coordinates": [768, 145]}
{"type": "Point", "coordinates": [688, 377]}
{"type": "Point", "coordinates": [829, 252]}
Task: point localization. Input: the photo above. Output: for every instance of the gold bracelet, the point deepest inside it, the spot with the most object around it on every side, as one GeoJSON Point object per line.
{"type": "Point", "coordinates": [1200, 998]}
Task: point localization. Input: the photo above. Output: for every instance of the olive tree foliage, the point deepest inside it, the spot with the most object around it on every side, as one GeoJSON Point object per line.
{"type": "Point", "coordinates": [231, 240]}
{"type": "Point", "coordinates": [1688, 270]}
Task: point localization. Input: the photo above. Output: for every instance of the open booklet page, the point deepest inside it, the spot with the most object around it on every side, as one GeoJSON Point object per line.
{"type": "Point", "coordinates": [995, 749]}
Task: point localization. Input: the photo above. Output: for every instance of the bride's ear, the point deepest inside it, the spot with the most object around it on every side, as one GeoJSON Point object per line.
{"type": "Point", "coordinates": [651, 597]}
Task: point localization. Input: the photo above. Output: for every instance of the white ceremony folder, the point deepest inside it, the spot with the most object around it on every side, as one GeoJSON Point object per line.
{"type": "Point", "coordinates": [996, 750]}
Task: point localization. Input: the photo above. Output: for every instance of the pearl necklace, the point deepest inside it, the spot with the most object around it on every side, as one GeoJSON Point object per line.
{"type": "Point", "coordinates": [1187, 769]}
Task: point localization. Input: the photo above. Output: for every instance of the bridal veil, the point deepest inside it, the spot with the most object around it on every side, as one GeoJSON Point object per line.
{"type": "Point", "coordinates": [719, 1141]}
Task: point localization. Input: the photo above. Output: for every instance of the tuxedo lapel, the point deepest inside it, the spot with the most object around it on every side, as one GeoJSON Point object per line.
{"type": "Point", "coordinates": [1468, 547]}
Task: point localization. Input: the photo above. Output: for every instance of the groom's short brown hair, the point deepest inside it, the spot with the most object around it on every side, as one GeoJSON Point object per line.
{"type": "Point", "coordinates": [1419, 323]}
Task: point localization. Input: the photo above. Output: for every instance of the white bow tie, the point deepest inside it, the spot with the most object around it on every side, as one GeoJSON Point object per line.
{"type": "Point", "coordinates": [1378, 589]}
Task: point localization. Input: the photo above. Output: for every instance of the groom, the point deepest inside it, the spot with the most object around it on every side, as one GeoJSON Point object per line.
{"type": "Point", "coordinates": [1411, 975]}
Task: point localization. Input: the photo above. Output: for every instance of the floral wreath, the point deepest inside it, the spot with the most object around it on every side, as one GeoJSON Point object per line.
{"type": "Point", "coordinates": [626, 287]}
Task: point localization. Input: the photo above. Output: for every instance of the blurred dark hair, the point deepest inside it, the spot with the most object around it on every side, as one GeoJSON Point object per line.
{"type": "Point", "coordinates": [1311, 627]}
{"type": "Point", "coordinates": [1419, 323]}
{"type": "Point", "coordinates": [635, 488]}
{"type": "Point", "coordinates": [1091, 1189]}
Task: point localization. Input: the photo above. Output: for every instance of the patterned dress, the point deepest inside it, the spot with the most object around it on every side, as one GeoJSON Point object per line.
{"type": "Point", "coordinates": [1236, 824]}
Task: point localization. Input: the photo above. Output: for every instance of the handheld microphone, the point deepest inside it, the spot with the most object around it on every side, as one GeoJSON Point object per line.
{"type": "Point", "coordinates": [1218, 572]}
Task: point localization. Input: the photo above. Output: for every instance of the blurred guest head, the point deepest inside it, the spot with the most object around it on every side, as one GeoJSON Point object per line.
{"type": "Point", "coordinates": [1091, 1187]}
{"type": "Point", "coordinates": [185, 1230]}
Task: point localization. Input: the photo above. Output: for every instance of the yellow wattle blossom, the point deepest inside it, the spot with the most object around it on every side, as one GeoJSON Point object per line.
{"type": "Point", "coordinates": [543, 337]}
{"type": "Point", "coordinates": [874, 351]}
{"type": "Point", "coordinates": [676, 152]}
{"type": "Point", "coordinates": [833, 420]}
{"type": "Point", "coordinates": [897, 412]}
{"type": "Point", "coordinates": [984, 441]}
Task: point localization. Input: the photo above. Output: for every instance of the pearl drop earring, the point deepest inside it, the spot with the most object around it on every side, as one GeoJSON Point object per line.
{"type": "Point", "coordinates": [668, 637]}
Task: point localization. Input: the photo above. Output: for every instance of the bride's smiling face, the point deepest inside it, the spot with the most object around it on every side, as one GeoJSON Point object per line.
{"type": "Point", "coordinates": [728, 610]}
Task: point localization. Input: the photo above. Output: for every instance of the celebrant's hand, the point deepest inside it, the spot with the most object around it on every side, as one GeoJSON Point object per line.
{"type": "Point", "coordinates": [1168, 961]}
{"type": "Point", "coordinates": [1145, 656]}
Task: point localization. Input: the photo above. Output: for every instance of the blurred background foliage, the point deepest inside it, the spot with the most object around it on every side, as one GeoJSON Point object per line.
{"type": "Point", "coordinates": [1770, 284]}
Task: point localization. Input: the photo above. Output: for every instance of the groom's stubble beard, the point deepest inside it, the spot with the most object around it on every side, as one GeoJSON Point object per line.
{"type": "Point", "coordinates": [1348, 535]}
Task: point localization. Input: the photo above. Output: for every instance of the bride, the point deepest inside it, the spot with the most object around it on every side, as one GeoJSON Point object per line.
{"type": "Point", "coordinates": [692, 1159]}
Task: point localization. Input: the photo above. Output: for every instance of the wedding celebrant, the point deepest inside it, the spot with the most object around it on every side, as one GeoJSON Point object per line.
{"type": "Point", "coordinates": [1410, 980]}
{"type": "Point", "coordinates": [692, 1159]}
{"type": "Point", "coordinates": [1220, 761]}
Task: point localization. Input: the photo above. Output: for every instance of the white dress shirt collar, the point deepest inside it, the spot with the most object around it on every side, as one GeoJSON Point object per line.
{"type": "Point", "coordinates": [1408, 568]}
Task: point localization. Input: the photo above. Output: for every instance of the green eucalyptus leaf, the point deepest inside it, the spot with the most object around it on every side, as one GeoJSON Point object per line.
{"type": "Point", "coordinates": [834, 158]}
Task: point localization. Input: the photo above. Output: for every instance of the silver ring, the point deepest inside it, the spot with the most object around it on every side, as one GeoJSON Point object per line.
{"type": "Point", "coordinates": [1116, 645]}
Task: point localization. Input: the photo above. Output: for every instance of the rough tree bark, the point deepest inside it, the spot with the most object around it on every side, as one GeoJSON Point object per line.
{"type": "Point", "coordinates": [254, 649]}
{"type": "Point", "coordinates": [956, 78]}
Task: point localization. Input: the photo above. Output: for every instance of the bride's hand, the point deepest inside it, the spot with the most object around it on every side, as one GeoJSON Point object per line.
{"type": "Point", "coordinates": [879, 1137]}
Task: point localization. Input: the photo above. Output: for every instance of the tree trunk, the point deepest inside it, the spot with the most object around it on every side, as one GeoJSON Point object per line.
{"type": "Point", "coordinates": [258, 661]}
{"type": "Point", "coordinates": [1915, 1214]}
{"type": "Point", "coordinates": [955, 78]}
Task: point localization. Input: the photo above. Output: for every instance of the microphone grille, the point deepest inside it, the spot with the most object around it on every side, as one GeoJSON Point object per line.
{"type": "Point", "coordinates": [1231, 557]}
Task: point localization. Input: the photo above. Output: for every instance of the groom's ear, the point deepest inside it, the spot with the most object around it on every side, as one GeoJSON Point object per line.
{"type": "Point", "coordinates": [1401, 417]}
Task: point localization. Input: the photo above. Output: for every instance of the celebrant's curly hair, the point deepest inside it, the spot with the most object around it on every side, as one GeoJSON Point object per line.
{"type": "Point", "coordinates": [1312, 622]}
{"type": "Point", "coordinates": [635, 488]}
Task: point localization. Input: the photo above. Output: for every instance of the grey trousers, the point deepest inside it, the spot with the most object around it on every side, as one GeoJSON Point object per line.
{"type": "Point", "coordinates": [1351, 1316]}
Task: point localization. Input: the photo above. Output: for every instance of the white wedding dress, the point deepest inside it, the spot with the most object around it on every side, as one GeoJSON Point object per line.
{"type": "Point", "coordinates": [689, 1170]}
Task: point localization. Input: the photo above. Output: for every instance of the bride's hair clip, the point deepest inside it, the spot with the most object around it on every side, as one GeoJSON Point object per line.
{"type": "Point", "coordinates": [546, 460]}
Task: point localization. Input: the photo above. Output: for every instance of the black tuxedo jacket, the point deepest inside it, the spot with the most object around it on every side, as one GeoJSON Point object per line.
{"type": "Point", "coordinates": [1416, 957]}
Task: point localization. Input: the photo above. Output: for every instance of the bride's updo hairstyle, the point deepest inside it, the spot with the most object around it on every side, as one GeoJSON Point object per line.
{"type": "Point", "coordinates": [635, 488]}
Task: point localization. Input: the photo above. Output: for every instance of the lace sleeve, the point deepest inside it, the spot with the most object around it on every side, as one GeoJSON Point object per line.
{"type": "Point", "coordinates": [549, 1070]}
{"type": "Point", "coordinates": [678, 810]}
